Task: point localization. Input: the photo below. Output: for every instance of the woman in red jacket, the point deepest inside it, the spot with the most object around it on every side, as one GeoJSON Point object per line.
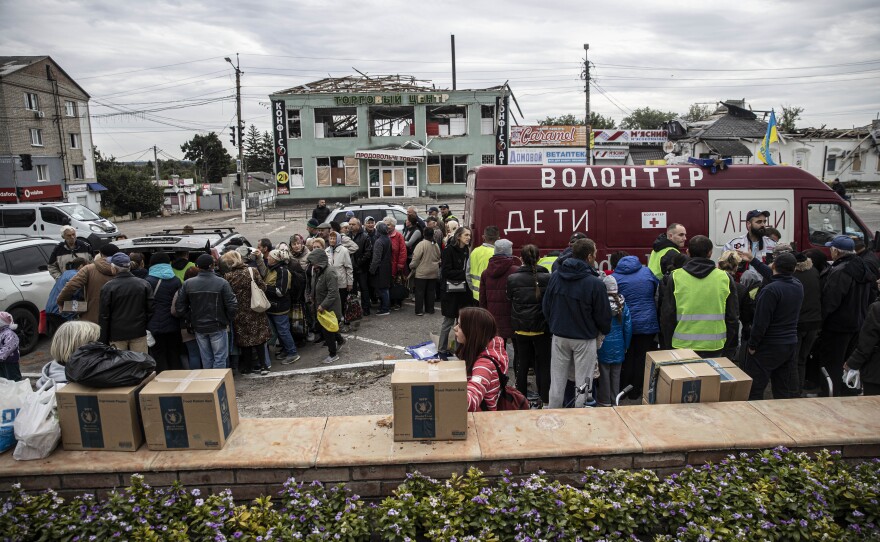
{"type": "Point", "coordinates": [479, 345]}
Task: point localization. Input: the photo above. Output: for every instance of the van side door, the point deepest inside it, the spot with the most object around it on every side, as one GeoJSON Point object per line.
{"type": "Point", "coordinates": [52, 221]}
{"type": "Point", "coordinates": [19, 221]}
{"type": "Point", "coordinates": [728, 210]}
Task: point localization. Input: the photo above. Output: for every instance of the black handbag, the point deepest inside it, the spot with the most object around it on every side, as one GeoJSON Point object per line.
{"type": "Point", "coordinates": [399, 291]}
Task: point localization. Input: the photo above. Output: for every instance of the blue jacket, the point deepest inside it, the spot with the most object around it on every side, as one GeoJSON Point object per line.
{"type": "Point", "coordinates": [162, 320]}
{"type": "Point", "coordinates": [637, 284]}
{"type": "Point", "coordinates": [60, 282]}
{"type": "Point", "coordinates": [576, 302]}
{"type": "Point", "coordinates": [616, 343]}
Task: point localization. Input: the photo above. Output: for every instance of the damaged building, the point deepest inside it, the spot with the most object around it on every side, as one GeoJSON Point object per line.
{"type": "Point", "coordinates": [380, 137]}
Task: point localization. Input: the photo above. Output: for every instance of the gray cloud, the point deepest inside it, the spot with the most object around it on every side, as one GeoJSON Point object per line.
{"type": "Point", "coordinates": [537, 47]}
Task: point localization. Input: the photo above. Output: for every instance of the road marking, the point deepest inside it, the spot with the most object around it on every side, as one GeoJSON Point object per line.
{"type": "Point", "coordinates": [277, 229]}
{"type": "Point", "coordinates": [233, 219]}
{"type": "Point", "coordinates": [374, 341]}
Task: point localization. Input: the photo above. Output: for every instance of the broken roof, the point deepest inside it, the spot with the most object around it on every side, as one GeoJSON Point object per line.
{"type": "Point", "coordinates": [377, 83]}
{"type": "Point", "coordinates": [728, 147]}
{"type": "Point", "coordinates": [10, 64]}
{"type": "Point", "coordinates": [729, 126]}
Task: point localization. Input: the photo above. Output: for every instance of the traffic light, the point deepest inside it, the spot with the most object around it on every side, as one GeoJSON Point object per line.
{"type": "Point", "coordinates": [232, 136]}
{"type": "Point", "coordinates": [26, 163]}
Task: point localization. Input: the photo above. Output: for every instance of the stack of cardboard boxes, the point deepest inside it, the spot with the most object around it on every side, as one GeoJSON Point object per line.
{"type": "Point", "coordinates": [176, 410]}
{"type": "Point", "coordinates": [681, 376]}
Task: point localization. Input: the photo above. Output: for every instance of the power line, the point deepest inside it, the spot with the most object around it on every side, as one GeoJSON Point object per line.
{"type": "Point", "coordinates": [147, 69]}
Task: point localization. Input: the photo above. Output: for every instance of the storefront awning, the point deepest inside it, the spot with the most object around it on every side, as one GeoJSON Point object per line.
{"type": "Point", "coordinates": [97, 187]}
{"type": "Point", "coordinates": [394, 155]}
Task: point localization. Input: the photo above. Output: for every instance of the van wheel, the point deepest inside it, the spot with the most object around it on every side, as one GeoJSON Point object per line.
{"type": "Point", "coordinates": [28, 330]}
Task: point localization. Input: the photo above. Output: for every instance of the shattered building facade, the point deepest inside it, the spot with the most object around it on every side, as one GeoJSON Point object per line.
{"type": "Point", "coordinates": [380, 137]}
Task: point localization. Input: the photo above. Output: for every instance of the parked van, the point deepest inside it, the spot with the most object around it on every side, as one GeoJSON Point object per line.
{"type": "Point", "coordinates": [46, 219]}
{"type": "Point", "coordinates": [627, 207]}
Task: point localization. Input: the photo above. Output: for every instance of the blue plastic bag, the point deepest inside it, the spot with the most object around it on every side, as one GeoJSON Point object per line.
{"type": "Point", "coordinates": [425, 350]}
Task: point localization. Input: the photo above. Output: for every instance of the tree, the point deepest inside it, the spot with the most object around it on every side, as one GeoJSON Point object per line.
{"type": "Point", "coordinates": [129, 189]}
{"type": "Point", "coordinates": [597, 121]}
{"type": "Point", "coordinates": [211, 159]}
{"type": "Point", "coordinates": [257, 155]}
{"type": "Point", "coordinates": [698, 112]}
{"type": "Point", "coordinates": [646, 118]}
{"type": "Point", "coordinates": [267, 145]}
{"type": "Point", "coordinates": [790, 115]}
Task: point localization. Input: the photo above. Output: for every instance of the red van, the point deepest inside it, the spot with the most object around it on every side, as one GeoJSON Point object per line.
{"type": "Point", "coordinates": [627, 207]}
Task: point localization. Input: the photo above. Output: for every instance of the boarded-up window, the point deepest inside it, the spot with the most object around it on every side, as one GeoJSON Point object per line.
{"type": "Point", "coordinates": [352, 171]}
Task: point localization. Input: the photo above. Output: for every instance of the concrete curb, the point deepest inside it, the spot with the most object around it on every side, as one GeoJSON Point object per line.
{"type": "Point", "coordinates": [307, 371]}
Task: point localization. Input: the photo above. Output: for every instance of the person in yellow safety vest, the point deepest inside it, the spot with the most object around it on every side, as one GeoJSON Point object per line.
{"type": "Point", "coordinates": [672, 240]}
{"type": "Point", "coordinates": [478, 261]}
{"type": "Point", "coordinates": [547, 261]}
{"type": "Point", "coordinates": [699, 309]}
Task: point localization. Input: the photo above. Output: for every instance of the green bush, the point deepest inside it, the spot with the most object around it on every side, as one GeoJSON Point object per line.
{"type": "Point", "coordinates": [775, 495]}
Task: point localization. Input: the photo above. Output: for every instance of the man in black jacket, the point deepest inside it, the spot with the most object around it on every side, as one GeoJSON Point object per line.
{"type": "Point", "coordinates": [321, 212]}
{"type": "Point", "coordinates": [361, 262]}
{"type": "Point", "coordinates": [125, 308]}
{"type": "Point", "coordinates": [846, 295]}
{"type": "Point", "coordinates": [209, 304]}
{"type": "Point", "coordinates": [773, 343]}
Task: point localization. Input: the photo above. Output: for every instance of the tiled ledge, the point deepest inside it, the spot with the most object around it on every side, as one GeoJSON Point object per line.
{"type": "Point", "coordinates": [358, 450]}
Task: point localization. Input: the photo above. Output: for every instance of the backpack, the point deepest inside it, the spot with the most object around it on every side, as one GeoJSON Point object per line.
{"type": "Point", "coordinates": [509, 398]}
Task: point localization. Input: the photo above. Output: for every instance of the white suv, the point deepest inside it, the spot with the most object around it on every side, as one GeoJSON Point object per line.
{"type": "Point", "coordinates": [25, 284]}
{"type": "Point", "coordinates": [376, 210]}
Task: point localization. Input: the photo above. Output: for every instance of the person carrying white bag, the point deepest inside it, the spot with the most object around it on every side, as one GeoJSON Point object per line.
{"type": "Point", "coordinates": [36, 425]}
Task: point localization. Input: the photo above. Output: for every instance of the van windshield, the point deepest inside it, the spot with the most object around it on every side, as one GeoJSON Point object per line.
{"type": "Point", "coordinates": [79, 212]}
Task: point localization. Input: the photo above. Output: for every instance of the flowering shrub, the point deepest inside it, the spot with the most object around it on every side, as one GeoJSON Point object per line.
{"type": "Point", "coordinates": [771, 495]}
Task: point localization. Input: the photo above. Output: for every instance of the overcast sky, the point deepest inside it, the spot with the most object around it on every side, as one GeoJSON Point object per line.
{"type": "Point", "coordinates": [146, 57]}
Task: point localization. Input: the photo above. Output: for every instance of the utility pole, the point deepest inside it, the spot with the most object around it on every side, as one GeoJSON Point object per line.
{"type": "Point", "coordinates": [587, 128]}
{"type": "Point", "coordinates": [156, 163]}
{"type": "Point", "coordinates": [453, 61]}
{"type": "Point", "coordinates": [242, 174]}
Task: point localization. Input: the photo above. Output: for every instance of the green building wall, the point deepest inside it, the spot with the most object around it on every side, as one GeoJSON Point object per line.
{"type": "Point", "coordinates": [309, 148]}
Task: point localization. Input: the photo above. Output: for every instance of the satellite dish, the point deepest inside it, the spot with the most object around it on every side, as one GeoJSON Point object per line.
{"type": "Point", "coordinates": [668, 147]}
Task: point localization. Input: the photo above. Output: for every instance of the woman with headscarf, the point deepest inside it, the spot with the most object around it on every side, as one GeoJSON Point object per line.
{"type": "Point", "coordinates": [251, 328]}
{"type": "Point", "coordinates": [298, 249]}
{"type": "Point", "coordinates": [325, 298]}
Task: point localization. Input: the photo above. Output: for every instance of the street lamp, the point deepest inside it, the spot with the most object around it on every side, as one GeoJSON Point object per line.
{"type": "Point", "coordinates": [240, 169]}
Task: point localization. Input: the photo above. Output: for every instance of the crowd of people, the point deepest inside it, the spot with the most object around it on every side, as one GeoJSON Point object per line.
{"type": "Point", "coordinates": [781, 315]}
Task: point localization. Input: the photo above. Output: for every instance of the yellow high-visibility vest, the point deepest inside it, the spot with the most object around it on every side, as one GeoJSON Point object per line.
{"type": "Point", "coordinates": [654, 260]}
{"type": "Point", "coordinates": [700, 307]}
{"type": "Point", "coordinates": [547, 262]}
{"type": "Point", "coordinates": [479, 261]}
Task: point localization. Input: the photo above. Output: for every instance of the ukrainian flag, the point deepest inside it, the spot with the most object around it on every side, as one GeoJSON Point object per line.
{"type": "Point", "coordinates": [764, 153]}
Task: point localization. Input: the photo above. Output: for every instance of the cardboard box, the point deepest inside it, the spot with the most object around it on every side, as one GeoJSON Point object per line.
{"type": "Point", "coordinates": [653, 362]}
{"type": "Point", "coordinates": [430, 400]}
{"type": "Point", "coordinates": [735, 383]}
{"type": "Point", "coordinates": [189, 410]}
{"type": "Point", "coordinates": [688, 383]}
{"type": "Point", "coordinates": [100, 418]}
